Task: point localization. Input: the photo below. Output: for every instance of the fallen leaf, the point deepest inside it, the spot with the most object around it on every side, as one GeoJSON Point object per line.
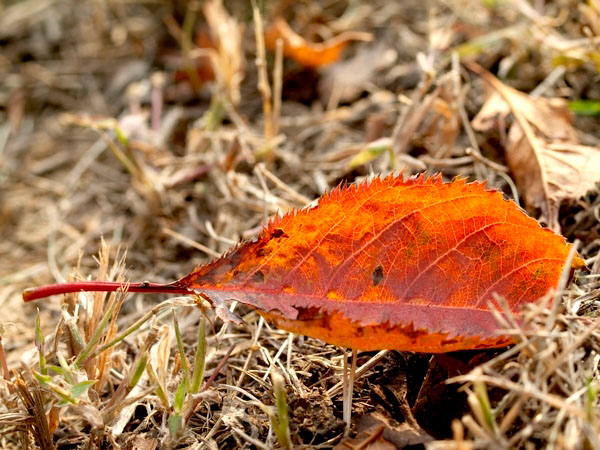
{"type": "Point", "coordinates": [201, 64]}
{"type": "Point", "coordinates": [542, 149]}
{"type": "Point", "coordinates": [219, 55]}
{"type": "Point", "coordinates": [442, 124]}
{"type": "Point", "coordinates": [387, 264]}
{"type": "Point", "coordinates": [310, 54]}
{"type": "Point", "coordinates": [392, 264]}
{"type": "Point", "coordinates": [53, 417]}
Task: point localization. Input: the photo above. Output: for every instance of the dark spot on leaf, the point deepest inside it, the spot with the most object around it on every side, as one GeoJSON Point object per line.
{"type": "Point", "coordinates": [277, 233]}
{"type": "Point", "coordinates": [312, 315]}
{"type": "Point", "coordinates": [259, 277]}
{"type": "Point", "coordinates": [377, 275]}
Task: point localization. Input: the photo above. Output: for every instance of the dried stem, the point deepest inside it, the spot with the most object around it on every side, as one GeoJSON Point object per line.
{"type": "Point", "coordinates": [263, 80]}
{"type": "Point", "coordinates": [99, 286]}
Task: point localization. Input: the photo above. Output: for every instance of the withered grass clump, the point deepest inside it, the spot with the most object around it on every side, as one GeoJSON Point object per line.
{"type": "Point", "coordinates": [87, 380]}
{"type": "Point", "coordinates": [544, 389]}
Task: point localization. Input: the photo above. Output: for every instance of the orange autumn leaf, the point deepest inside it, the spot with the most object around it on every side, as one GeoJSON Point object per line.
{"type": "Point", "coordinates": [306, 53]}
{"type": "Point", "coordinates": [395, 264]}
{"type": "Point", "coordinates": [389, 264]}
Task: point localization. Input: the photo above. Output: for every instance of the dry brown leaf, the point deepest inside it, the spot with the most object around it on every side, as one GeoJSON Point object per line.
{"type": "Point", "coordinates": [346, 80]}
{"type": "Point", "coordinates": [310, 54]}
{"type": "Point", "coordinates": [376, 432]}
{"type": "Point", "coordinates": [442, 125]}
{"type": "Point", "coordinates": [542, 149]}
{"type": "Point", "coordinates": [143, 442]}
{"type": "Point", "coordinates": [53, 417]}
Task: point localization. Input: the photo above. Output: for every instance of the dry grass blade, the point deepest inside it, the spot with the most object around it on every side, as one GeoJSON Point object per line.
{"type": "Point", "coordinates": [32, 398]}
{"type": "Point", "coordinates": [5, 370]}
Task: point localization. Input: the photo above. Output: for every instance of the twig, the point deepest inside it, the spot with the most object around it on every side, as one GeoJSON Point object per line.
{"type": "Point", "coordinates": [345, 413]}
{"type": "Point", "coordinates": [301, 199]}
{"type": "Point", "coordinates": [277, 85]}
{"type": "Point", "coordinates": [462, 113]}
{"type": "Point", "coordinates": [348, 389]}
{"type": "Point", "coordinates": [190, 242]}
{"type": "Point", "coordinates": [512, 186]}
{"type": "Point", "coordinates": [263, 81]}
{"type": "Point", "coordinates": [250, 439]}
{"type": "Point", "coordinates": [552, 78]}
{"type": "Point", "coordinates": [406, 129]}
{"type": "Point", "coordinates": [5, 370]}
{"type": "Point", "coordinates": [530, 391]}
{"type": "Point", "coordinates": [334, 390]}
{"type": "Point", "coordinates": [488, 162]}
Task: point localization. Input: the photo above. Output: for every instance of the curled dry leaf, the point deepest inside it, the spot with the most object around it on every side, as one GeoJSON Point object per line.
{"type": "Point", "coordinates": [542, 150]}
{"type": "Point", "coordinates": [387, 264]}
{"type": "Point", "coordinates": [306, 53]}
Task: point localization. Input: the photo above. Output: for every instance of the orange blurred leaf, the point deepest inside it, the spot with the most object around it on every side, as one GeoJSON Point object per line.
{"type": "Point", "coordinates": [306, 53]}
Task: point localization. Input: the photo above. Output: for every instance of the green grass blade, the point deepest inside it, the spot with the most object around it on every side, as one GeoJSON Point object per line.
{"type": "Point", "coordinates": [200, 358]}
